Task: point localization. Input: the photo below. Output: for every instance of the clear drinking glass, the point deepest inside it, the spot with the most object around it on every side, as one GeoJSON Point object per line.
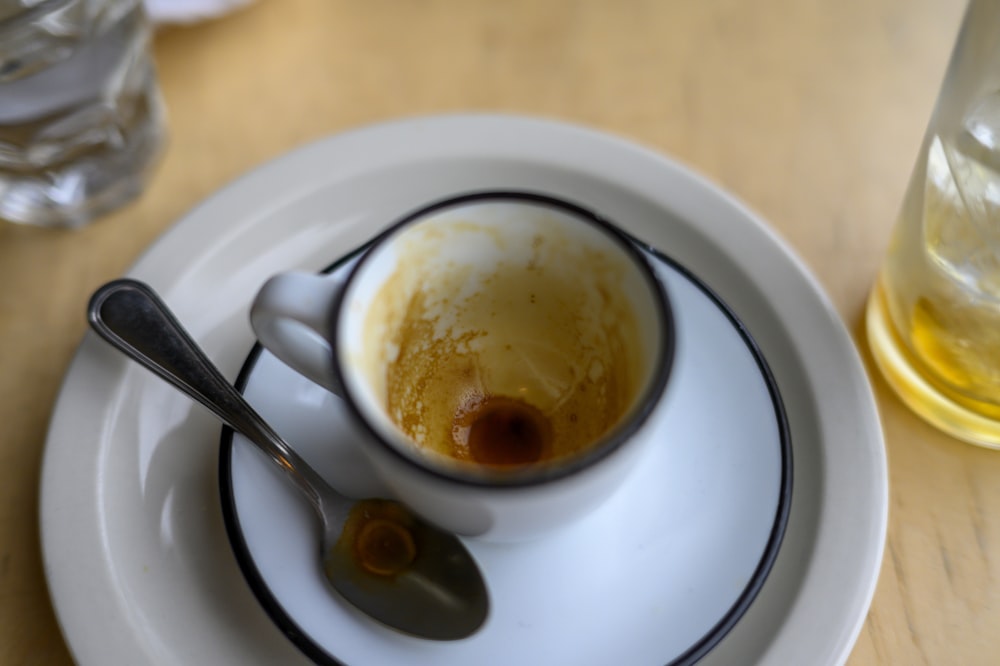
{"type": "Point", "coordinates": [81, 119]}
{"type": "Point", "coordinates": [933, 317]}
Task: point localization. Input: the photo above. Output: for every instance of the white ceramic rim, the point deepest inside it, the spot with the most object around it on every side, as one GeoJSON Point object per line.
{"type": "Point", "coordinates": [367, 412]}
{"type": "Point", "coordinates": [813, 604]}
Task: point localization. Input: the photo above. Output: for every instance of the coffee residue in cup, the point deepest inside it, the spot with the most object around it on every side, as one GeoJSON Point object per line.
{"type": "Point", "coordinates": [525, 359]}
{"type": "Point", "coordinates": [498, 430]}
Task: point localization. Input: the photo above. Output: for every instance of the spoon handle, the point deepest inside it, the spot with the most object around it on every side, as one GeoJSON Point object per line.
{"type": "Point", "coordinates": [131, 317]}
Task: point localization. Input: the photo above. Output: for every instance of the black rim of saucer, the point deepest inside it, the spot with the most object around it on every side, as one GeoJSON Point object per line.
{"type": "Point", "coordinates": [304, 642]}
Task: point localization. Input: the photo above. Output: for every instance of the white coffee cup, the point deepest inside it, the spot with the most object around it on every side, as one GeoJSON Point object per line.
{"type": "Point", "coordinates": [498, 352]}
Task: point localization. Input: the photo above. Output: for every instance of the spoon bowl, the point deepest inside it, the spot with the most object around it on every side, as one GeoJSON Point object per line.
{"type": "Point", "coordinates": [377, 554]}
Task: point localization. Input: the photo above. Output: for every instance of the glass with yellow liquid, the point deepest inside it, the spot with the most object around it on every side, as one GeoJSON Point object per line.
{"type": "Point", "coordinates": [933, 317]}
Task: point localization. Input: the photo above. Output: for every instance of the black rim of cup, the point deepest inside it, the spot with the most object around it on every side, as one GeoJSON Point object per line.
{"type": "Point", "coordinates": [611, 442]}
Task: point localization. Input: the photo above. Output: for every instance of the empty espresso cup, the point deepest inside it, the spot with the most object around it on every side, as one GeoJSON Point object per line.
{"type": "Point", "coordinates": [499, 353]}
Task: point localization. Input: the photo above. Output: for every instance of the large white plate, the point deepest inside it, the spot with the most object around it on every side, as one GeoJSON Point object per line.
{"type": "Point", "coordinates": [133, 539]}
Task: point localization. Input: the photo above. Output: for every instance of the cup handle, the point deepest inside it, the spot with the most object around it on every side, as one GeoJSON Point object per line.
{"type": "Point", "coordinates": [292, 316]}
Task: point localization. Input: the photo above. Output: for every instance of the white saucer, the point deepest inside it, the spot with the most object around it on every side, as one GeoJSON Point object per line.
{"type": "Point", "coordinates": [134, 544]}
{"type": "Point", "coordinates": [658, 575]}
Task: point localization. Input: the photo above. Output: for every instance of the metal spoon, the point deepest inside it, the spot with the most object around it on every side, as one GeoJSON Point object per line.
{"type": "Point", "coordinates": [379, 556]}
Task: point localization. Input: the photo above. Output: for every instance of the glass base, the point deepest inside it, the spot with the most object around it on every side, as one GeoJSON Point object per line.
{"type": "Point", "coordinates": [81, 192]}
{"type": "Point", "coordinates": [79, 133]}
{"type": "Point", "coordinates": [916, 391]}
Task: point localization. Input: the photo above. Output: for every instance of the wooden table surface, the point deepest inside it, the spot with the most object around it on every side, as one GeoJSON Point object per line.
{"type": "Point", "coordinates": [810, 111]}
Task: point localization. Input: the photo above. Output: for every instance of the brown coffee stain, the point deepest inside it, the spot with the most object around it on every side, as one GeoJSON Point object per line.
{"type": "Point", "coordinates": [378, 536]}
{"type": "Point", "coordinates": [500, 431]}
{"type": "Point", "coordinates": [535, 350]}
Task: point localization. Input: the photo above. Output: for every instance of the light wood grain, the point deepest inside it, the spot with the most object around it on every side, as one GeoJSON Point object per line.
{"type": "Point", "coordinates": [811, 111]}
